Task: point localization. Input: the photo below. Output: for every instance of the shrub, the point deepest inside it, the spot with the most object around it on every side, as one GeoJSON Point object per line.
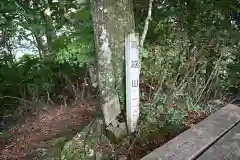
{"type": "Point", "coordinates": [173, 85]}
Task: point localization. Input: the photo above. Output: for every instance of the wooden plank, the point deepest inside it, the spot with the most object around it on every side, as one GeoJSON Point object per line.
{"type": "Point", "coordinates": [227, 148]}
{"type": "Point", "coordinates": [194, 141]}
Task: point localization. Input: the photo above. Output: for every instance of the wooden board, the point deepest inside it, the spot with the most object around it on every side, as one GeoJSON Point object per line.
{"type": "Point", "coordinates": [227, 148]}
{"type": "Point", "coordinates": [191, 143]}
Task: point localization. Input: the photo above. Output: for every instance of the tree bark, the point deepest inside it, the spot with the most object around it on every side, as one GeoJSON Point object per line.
{"type": "Point", "coordinates": [40, 45]}
{"type": "Point", "coordinates": [4, 50]}
{"type": "Point", "coordinates": [50, 29]}
{"type": "Point", "coordinates": [112, 21]}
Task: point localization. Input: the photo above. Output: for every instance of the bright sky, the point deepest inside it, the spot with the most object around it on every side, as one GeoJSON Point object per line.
{"type": "Point", "coordinates": [22, 46]}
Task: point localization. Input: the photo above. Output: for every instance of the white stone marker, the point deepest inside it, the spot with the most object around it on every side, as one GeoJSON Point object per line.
{"type": "Point", "coordinates": [132, 80]}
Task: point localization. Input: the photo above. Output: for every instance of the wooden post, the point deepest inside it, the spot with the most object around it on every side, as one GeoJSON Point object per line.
{"type": "Point", "coordinates": [132, 80]}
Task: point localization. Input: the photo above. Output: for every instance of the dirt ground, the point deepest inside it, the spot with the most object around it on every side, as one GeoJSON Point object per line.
{"type": "Point", "coordinates": [56, 122]}
{"type": "Point", "coordinates": [53, 123]}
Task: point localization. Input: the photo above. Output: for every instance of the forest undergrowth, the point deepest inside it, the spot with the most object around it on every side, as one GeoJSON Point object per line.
{"type": "Point", "coordinates": [190, 68]}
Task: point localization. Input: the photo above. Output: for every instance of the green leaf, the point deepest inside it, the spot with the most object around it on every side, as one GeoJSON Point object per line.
{"type": "Point", "coordinates": [143, 52]}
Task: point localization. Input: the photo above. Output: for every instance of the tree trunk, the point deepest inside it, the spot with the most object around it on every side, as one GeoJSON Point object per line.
{"type": "Point", "coordinates": [50, 29]}
{"type": "Point", "coordinates": [40, 44]}
{"type": "Point", "coordinates": [4, 50]}
{"type": "Point", "coordinates": [112, 21]}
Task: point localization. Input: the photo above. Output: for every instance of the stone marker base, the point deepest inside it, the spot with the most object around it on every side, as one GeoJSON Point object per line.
{"type": "Point", "coordinates": [90, 143]}
{"type": "Point", "coordinates": [111, 110]}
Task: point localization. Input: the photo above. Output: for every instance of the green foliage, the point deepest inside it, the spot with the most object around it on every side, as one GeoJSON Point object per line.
{"type": "Point", "coordinates": [69, 42]}
{"type": "Point", "coordinates": [191, 55]}
{"type": "Point", "coordinates": [234, 75]}
{"type": "Point", "coordinates": [76, 53]}
{"type": "Point", "coordinates": [34, 78]}
{"type": "Point", "coordinates": [162, 114]}
{"type": "Point", "coordinates": [77, 48]}
{"type": "Point", "coordinates": [143, 52]}
{"type": "Point", "coordinates": [83, 14]}
{"type": "Point", "coordinates": [4, 136]}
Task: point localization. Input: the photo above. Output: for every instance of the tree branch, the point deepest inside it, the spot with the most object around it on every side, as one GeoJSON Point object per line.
{"type": "Point", "coordinates": [146, 23]}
